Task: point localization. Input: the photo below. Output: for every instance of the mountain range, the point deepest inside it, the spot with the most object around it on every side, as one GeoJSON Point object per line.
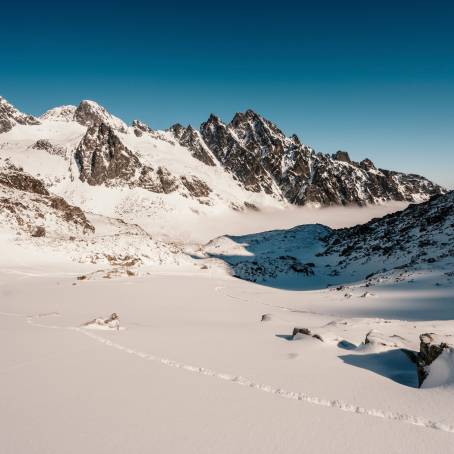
{"type": "Point", "coordinates": [246, 163]}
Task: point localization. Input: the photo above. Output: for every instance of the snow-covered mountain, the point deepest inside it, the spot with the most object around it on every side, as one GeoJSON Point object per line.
{"type": "Point", "coordinates": [10, 116]}
{"type": "Point", "coordinates": [417, 239]}
{"type": "Point", "coordinates": [248, 162]}
{"type": "Point", "coordinates": [33, 221]}
{"type": "Point", "coordinates": [262, 158]}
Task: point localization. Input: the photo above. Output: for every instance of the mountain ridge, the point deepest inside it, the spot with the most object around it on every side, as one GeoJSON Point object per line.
{"type": "Point", "coordinates": [256, 154]}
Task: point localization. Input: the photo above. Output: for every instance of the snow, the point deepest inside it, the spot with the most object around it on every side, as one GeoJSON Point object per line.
{"type": "Point", "coordinates": [195, 370]}
{"type": "Point", "coordinates": [441, 371]}
{"type": "Point", "coordinates": [204, 362]}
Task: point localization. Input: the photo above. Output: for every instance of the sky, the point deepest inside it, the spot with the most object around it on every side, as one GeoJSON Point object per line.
{"type": "Point", "coordinates": [375, 78]}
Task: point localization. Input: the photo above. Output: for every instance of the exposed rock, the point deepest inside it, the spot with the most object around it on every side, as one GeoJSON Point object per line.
{"type": "Point", "coordinates": [44, 144]}
{"type": "Point", "coordinates": [266, 318]}
{"type": "Point", "coordinates": [10, 117]}
{"type": "Point", "coordinates": [15, 178]}
{"type": "Point", "coordinates": [250, 206]}
{"type": "Point", "coordinates": [24, 200]}
{"type": "Point", "coordinates": [197, 188]}
{"type": "Point", "coordinates": [262, 158]}
{"type": "Point", "coordinates": [420, 233]}
{"type": "Point", "coordinates": [103, 159]}
{"type": "Point", "coordinates": [431, 347]}
{"type": "Point", "coordinates": [191, 139]}
{"type": "Point", "coordinates": [304, 331]}
{"type": "Point", "coordinates": [89, 113]}
{"type": "Point", "coordinates": [377, 338]}
{"type": "Point", "coordinates": [38, 232]}
{"type": "Point", "coordinates": [367, 164]}
{"type": "Point", "coordinates": [342, 156]}
{"type": "Point", "coordinates": [140, 128]}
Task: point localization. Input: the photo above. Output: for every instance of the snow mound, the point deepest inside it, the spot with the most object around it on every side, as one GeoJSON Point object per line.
{"type": "Point", "coordinates": [441, 371]}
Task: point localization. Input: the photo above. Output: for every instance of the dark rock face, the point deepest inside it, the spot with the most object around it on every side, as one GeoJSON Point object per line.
{"type": "Point", "coordinates": [197, 188]}
{"type": "Point", "coordinates": [89, 113]}
{"type": "Point", "coordinates": [44, 144]}
{"type": "Point", "coordinates": [14, 178]}
{"type": "Point", "coordinates": [342, 156]}
{"type": "Point", "coordinates": [305, 331]}
{"type": "Point", "coordinates": [141, 128]}
{"type": "Point", "coordinates": [39, 232]}
{"type": "Point", "coordinates": [190, 138]}
{"type": "Point", "coordinates": [10, 116]}
{"type": "Point", "coordinates": [262, 158]}
{"type": "Point", "coordinates": [431, 347]}
{"type": "Point", "coordinates": [235, 157]}
{"type": "Point", "coordinates": [421, 233]}
{"type": "Point", "coordinates": [102, 157]}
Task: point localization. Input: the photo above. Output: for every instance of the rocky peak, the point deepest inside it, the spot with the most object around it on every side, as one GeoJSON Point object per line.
{"type": "Point", "coordinates": [342, 156]}
{"type": "Point", "coordinates": [254, 130]}
{"type": "Point", "coordinates": [62, 113]}
{"type": "Point", "coordinates": [102, 157]}
{"type": "Point", "coordinates": [367, 164]}
{"type": "Point", "coordinates": [90, 113]}
{"type": "Point", "coordinates": [177, 130]}
{"type": "Point", "coordinates": [229, 146]}
{"type": "Point", "coordinates": [10, 117]}
{"type": "Point", "coordinates": [190, 138]}
{"type": "Point", "coordinates": [140, 128]}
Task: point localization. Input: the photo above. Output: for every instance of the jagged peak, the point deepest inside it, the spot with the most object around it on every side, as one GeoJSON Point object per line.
{"type": "Point", "coordinates": [141, 125]}
{"type": "Point", "coordinates": [342, 156]}
{"type": "Point", "coordinates": [242, 117]}
{"type": "Point", "coordinates": [90, 112]}
{"type": "Point", "coordinates": [367, 164]}
{"type": "Point", "coordinates": [10, 116]}
{"type": "Point", "coordinates": [214, 119]}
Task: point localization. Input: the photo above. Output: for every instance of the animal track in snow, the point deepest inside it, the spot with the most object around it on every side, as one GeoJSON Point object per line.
{"type": "Point", "coordinates": [280, 392]}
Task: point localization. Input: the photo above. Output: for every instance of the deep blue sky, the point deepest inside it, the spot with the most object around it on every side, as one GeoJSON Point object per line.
{"type": "Point", "coordinates": [373, 78]}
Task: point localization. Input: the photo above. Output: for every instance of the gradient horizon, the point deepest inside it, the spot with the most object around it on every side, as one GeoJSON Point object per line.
{"type": "Point", "coordinates": [376, 80]}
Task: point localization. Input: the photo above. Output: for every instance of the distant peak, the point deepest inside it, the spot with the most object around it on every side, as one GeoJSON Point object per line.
{"type": "Point", "coordinates": [90, 112]}
{"type": "Point", "coordinates": [342, 156]}
{"type": "Point", "coordinates": [10, 116]}
{"type": "Point", "coordinates": [213, 119]}
{"type": "Point", "coordinates": [61, 113]}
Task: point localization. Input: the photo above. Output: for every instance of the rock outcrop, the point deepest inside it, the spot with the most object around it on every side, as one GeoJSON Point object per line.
{"type": "Point", "coordinates": [90, 113]}
{"type": "Point", "coordinates": [432, 346]}
{"type": "Point", "coordinates": [26, 203]}
{"type": "Point", "coordinates": [190, 138]}
{"type": "Point", "coordinates": [103, 159]}
{"type": "Point", "coordinates": [262, 158]}
{"type": "Point", "coordinates": [10, 117]}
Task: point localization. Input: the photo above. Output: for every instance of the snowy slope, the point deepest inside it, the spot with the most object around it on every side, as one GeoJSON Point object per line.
{"type": "Point", "coordinates": [245, 164]}
{"type": "Point", "coordinates": [162, 180]}
{"type": "Point", "coordinates": [36, 225]}
{"type": "Point", "coordinates": [417, 239]}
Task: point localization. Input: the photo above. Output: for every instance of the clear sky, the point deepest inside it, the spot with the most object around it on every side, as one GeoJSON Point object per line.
{"type": "Point", "coordinates": [375, 78]}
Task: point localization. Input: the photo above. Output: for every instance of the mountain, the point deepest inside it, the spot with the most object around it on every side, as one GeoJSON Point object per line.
{"type": "Point", "coordinates": [28, 207]}
{"type": "Point", "coordinates": [417, 239]}
{"type": "Point", "coordinates": [97, 162]}
{"type": "Point", "coordinates": [10, 116]}
{"type": "Point", "coordinates": [264, 159]}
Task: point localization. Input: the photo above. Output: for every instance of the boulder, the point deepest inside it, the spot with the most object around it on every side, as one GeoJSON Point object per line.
{"type": "Point", "coordinates": [431, 347]}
